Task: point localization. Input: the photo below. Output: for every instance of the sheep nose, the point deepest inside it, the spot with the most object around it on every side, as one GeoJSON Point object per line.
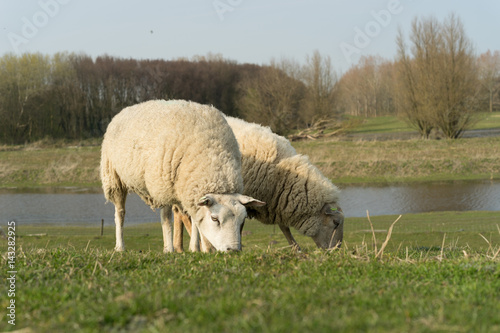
{"type": "Point", "coordinates": [230, 249]}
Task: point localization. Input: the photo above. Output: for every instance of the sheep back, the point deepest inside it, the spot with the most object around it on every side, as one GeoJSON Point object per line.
{"type": "Point", "coordinates": [170, 153]}
{"type": "Point", "coordinates": [293, 188]}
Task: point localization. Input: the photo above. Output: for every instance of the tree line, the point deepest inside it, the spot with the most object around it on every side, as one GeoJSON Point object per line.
{"type": "Point", "coordinates": [74, 96]}
{"type": "Point", "coordinates": [435, 82]}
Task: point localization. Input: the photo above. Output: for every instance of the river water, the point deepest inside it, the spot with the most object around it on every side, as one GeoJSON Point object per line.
{"type": "Point", "coordinates": [87, 206]}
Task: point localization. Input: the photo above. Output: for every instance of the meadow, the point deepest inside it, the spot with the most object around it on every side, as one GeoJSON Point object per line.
{"type": "Point", "coordinates": [429, 272]}
{"type": "Point", "coordinates": [437, 273]}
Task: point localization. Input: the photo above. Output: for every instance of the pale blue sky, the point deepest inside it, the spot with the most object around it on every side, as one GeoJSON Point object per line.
{"type": "Point", "coordinates": [251, 31]}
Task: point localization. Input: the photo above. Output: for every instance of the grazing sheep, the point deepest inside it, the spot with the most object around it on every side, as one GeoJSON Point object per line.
{"type": "Point", "coordinates": [296, 192]}
{"type": "Point", "coordinates": [177, 153]}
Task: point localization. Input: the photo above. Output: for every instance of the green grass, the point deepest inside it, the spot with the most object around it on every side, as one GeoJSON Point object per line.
{"type": "Point", "coordinates": [382, 124]}
{"type": "Point", "coordinates": [393, 124]}
{"type": "Point", "coordinates": [405, 160]}
{"type": "Point", "coordinates": [342, 161]}
{"type": "Point", "coordinates": [70, 280]}
{"type": "Point", "coordinates": [488, 120]}
{"type": "Point", "coordinates": [54, 166]}
{"type": "Point", "coordinates": [359, 161]}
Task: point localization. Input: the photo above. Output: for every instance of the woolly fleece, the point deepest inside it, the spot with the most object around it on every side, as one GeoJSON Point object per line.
{"type": "Point", "coordinates": [294, 189]}
{"type": "Point", "coordinates": [170, 153]}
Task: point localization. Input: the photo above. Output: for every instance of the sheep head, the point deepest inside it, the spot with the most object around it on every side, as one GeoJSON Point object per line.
{"type": "Point", "coordinates": [220, 218]}
{"type": "Point", "coordinates": [331, 227]}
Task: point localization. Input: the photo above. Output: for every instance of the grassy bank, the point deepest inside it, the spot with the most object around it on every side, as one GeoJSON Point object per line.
{"type": "Point", "coordinates": [342, 161]}
{"type": "Point", "coordinates": [438, 274]}
{"type": "Point", "coordinates": [405, 160]}
{"type": "Point", "coordinates": [49, 163]}
{"type": "Point", "coordinates": [53, 166]}
{"type": "Point", "coordinates": [393, 124]}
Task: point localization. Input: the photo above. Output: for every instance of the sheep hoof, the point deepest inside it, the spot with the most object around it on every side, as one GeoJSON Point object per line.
{"type": "Point", "coordinates": [167, 250]}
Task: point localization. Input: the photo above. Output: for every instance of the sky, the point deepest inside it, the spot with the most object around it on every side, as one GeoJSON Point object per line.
{"type": "Point", "coordinates": [246, 31]}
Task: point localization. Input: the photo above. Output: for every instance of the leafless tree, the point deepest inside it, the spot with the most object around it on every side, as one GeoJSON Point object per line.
{"type": "Point", "coordinates": [437, 82]}
{"type": "Point", "coordinates": [273, 96]}
{"type": "Point", "coordinates": [321, 79]}
{"type": "Point", "coordinates": [489, 74]}
{"type": "Point", "coordinates": [366, 89]}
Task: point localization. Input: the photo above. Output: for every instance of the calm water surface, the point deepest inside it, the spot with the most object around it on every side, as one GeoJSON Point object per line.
{"type": "Point", "coordinates": [84, 206]}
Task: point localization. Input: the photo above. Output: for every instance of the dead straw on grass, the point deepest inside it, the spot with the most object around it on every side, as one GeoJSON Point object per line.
{"type": "Point", "coordinates": [379, 254]}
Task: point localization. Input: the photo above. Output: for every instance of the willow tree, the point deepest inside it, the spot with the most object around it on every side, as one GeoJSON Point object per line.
{"type": "Point", "coordinates": [438, 81]}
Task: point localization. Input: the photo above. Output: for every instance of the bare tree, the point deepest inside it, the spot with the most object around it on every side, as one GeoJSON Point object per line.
{"type": "Point", "coordinates": [438, 81]}
{"type": "Point", "coordinates": [489, 74]}
{"type": "Point", "coordinates": [273, 96]}
{"type": "Point", "coordinates": [23, 79]}
{"type": "Point", "coordinates": [460, 85]}
{"type": "Point", "coordinates": [366, 89]}
{"type": "Point", "coordinates": [320, 78]}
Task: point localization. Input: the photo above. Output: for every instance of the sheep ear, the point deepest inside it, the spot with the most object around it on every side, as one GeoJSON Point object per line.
{"type": "Point", "coordinates": [206, 201]}
{"type": "Point", "coordinates": [250, 202]}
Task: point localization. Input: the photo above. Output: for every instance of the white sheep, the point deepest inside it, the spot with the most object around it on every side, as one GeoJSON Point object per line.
{"type": "Point", "coordinates": [177, 153]}
{"type": "Point", "coordinates": [296, 192]}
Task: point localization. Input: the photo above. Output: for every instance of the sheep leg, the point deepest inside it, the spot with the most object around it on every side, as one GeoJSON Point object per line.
{"type": "Point", "coordinates": [194, 243]}
{"type": "Point", "coordinates": [205, 244]}
{"type": "Point", "coordinates": [187, 222]}
{"type": "Point", "coordinates": [119, 202]}
{"type": "Point", "coordinates": [166, 225]}
{"type": "Point", "coordinates": [178, 230]}
{"type": "Point", "coordinates": [180, 219]}
{"type": "Point", "coordinates": [289, 237]}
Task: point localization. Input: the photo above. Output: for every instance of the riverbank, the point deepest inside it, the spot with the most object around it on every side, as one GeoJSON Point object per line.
{"type": "Point", "coordinates": [402, 161]}
{"type": "Point", "coordinates": [54, 166]}
{"type": "Point", "coordinates": [345, 162]}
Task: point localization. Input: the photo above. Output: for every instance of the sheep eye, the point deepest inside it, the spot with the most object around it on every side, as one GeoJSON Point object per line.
{"type": "Point", "coordinates": [215, 219]}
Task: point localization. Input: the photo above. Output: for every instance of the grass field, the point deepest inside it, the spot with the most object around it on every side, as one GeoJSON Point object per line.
{"type": "Point", "coordinates": [392, 124]}
{"type": "Point", "coordinates": [342, 161]}
{"type": "Point", "coordinates": [405, 160]}
{"type": "Point", "coordinates": [440, 272]}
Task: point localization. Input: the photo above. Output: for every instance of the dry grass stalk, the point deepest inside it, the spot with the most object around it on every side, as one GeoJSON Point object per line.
{"type": "Point", "coordinates": [373, 231]}
{"type": "Point", "coordinates": [496, 254]}
{"type": "Point", "coordinates": [378, 254]}
{"type": "Point", "coordinates": [490, 248]}
{"type": "Point", "coordinates": [87, 247]}
{"type": "Point", "coordinates": [441, 255]}
{"type": "Point", "coordinates": [388, 237]}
